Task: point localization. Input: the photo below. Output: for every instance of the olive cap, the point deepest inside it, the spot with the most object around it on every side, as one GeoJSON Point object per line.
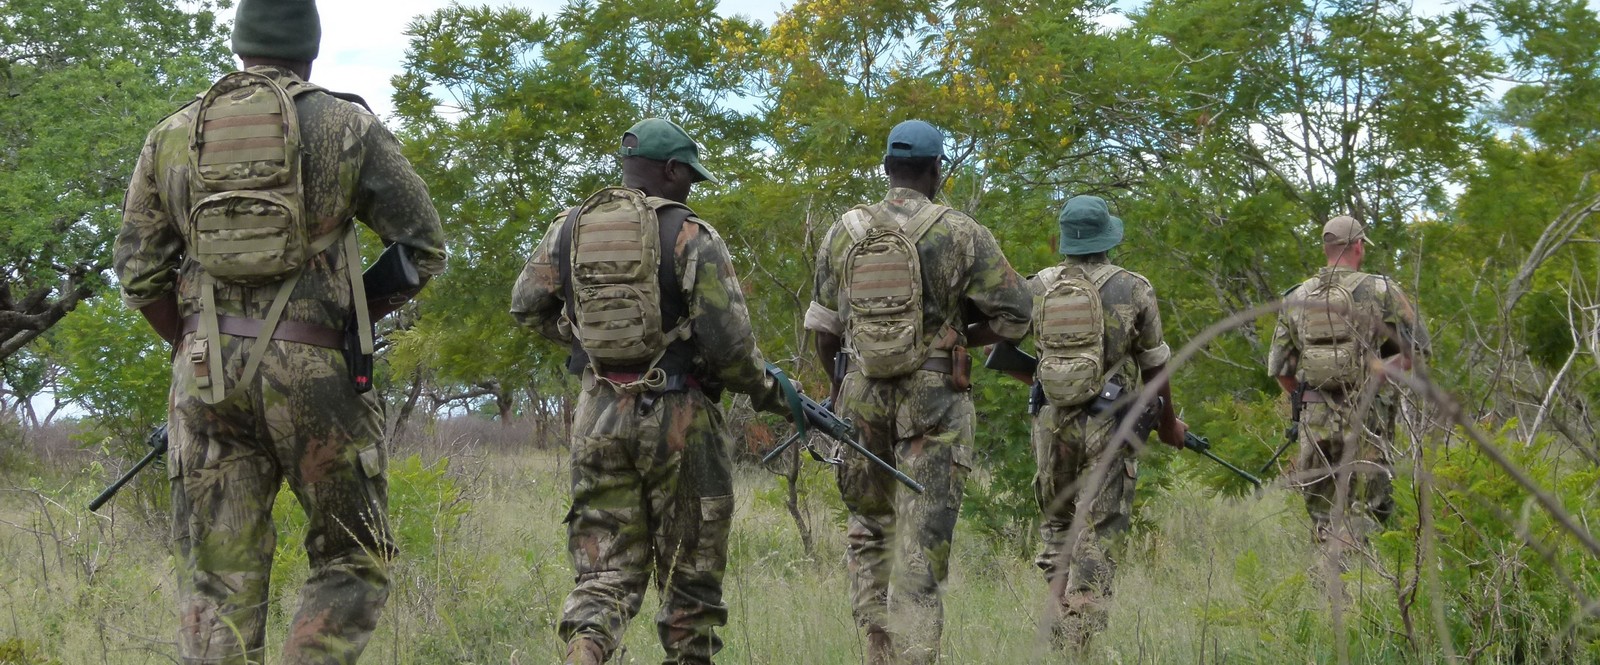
{"type": "Point", "coordinates": [661, 140]}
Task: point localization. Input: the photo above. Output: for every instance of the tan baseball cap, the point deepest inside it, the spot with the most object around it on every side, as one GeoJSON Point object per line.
{"type": "Point", "coordinates": [1343, 230]}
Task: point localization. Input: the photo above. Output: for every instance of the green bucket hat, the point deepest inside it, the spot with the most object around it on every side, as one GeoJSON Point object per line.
{"type": "Point", "coordinates": [282, 29]}
{"type": "Point", "coordinates": [662, 140]}
{"type": "Point", "coordinates": [1087, 227]}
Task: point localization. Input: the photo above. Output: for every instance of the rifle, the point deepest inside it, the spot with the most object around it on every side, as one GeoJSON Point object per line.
{"type": "Point", "coordinates": [157, 440]}
{"type": "Point", "coordinates": [808, 413]}
{"type": "Point", "coordinates": [1009, 358]}
{"type": "Point", "coordinates": [1202, 445]}
{"type": "Point", "coordinates": [1292, 433]}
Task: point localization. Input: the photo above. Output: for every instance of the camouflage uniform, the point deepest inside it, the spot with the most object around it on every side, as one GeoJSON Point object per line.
{"type": "Point", "coordinates": [300, 419]}
{"type": "Point", "coordinates": [917, 422]}
{"type": "Point", "coordinates": [1069, 444]}
{"type": "Point", "coordinates": [651, 475]}
{"type": "Point", "coordinates": [1328, 423]}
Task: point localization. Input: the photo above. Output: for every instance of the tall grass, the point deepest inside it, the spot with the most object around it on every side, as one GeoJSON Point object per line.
{"type": "Point", "coordinates": [484, 571]}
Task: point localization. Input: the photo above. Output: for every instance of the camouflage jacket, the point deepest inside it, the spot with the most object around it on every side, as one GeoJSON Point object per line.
{"type": "Point", "coordinates": [725, 345]}
{"type": "Point", "coordinates": [353, 168]}
{"type": "Point", "coordinates": [1378, 299]}
{"type": "Point", "coordinates": [1133, 317]}
{"type": "Point", "coordinates": [966, 279]}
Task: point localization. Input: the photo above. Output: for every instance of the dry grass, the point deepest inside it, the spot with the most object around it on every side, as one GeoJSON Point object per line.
{"type": "Point", "coordinates": [1196, 588]}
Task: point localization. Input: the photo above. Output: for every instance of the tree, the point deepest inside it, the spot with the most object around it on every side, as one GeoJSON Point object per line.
{"type": "Point", "coordinates": [119, 66]}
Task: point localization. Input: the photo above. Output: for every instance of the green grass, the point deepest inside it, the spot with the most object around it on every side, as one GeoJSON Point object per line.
{"type": "Point", "coordinates": [1213, 580]}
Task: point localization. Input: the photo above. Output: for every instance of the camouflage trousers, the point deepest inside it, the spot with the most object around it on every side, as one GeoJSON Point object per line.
{"type": "Point", "coordinates": [652, 491]}
{"type": "Point", "coordinates": [1328, 436]}
{"type": "Point", "coordinates": [898, 541]}
{"type": "Point", "coordinates": [1069, 446]}
{"type": "Point", "coordinates": [299, 420]}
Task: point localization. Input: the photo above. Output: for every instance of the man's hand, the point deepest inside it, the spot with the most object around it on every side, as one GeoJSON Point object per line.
{"type": "Point", "coordinates": [1171, 433]}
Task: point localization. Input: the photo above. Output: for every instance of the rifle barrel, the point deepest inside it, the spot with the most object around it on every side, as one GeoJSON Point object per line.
{"type": "Point", "coordinates": [125, 479]}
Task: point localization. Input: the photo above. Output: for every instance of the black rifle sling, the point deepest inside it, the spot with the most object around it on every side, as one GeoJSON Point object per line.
{"type": "Point", "coordinates": [674, 308]}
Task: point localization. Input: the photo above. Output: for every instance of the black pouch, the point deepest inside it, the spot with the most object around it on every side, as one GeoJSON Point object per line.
{"type": "Point", "coordinates": [360, 364]}
{"type": "Point", "coordinates": [1109, 401]}
{"type": "Point", "coordinates": [393, 278]}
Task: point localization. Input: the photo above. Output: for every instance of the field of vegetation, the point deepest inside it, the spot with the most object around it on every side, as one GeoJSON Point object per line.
{"type": "Point", "coordinates": [484, 570]}
{"type": "Point", "coordinates": [1224, 132]}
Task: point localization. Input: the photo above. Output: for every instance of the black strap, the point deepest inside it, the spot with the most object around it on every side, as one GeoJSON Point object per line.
{"type": "Point", "coordinates": [674, 307]}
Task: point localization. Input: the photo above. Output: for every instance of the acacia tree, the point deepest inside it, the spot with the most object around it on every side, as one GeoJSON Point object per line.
{"type": "Point", "coordinates": [511, 118]}
{"type": "Point", "coordinates": [81, 81]}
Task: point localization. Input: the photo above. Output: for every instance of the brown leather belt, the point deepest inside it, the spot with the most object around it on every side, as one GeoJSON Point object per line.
{"type": "Point", "coordinates": [288, 331]}
{"type": "Point", "coordinates": [940, 365]}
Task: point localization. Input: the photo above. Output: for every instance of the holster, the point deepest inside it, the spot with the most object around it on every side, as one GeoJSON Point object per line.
{"type": "Point", "coordinates": [960, 369]}
{"type": "Point", "coordinates": [360, 364]}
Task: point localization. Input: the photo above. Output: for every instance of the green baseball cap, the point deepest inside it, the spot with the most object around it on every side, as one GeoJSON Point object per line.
{"type": "Point", "coordinates": [662, 140]}
{"type": "Point", "coordinates": [1087, 227]}
{"type": "Point", "coordinates": [915, 138]}
{"type": "Point", "coordinates": [282, 29]}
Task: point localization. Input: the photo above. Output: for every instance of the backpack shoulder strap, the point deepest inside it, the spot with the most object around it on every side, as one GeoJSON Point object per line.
{"type": "Point", "coordinates": [857, 221]}
{"type": "Point", "coordinates": [670, 218]}
{"type": "Point", "coordinates": [1101, 274]}
{"type": "Point", "coordinates": [919, 223]}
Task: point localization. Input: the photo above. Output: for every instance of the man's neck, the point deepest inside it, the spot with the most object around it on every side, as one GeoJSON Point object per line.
{"type": "Point", "coordinates": [1345, 264]}
{"type": "Point", "coordinates": [918, 187]}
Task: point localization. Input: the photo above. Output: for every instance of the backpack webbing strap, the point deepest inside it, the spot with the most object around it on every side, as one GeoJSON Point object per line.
{"type": "Point", "coordinates": [919, 223]}
{"type": "Point", "coordinates": [211, 340]}
{"type": "Point", "coordinates": [855, 222]}
{"type": "Point", "coordinates": [358, 291]}
{"type": "Point", "coordinates": [211, 333]}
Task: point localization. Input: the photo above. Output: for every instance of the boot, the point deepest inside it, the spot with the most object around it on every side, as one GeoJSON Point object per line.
{"type": "Point", "coordinates": [880, 647]}
{"type": "Point", "coordinates": [584, 651]}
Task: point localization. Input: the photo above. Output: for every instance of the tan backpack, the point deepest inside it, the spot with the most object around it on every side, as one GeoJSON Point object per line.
{"type": "Point", "coordinates": [883, 291]}
{"type": "Point", "coordinates": [624, 301]}
{"type": "Point", "coordinates": [247, 223]}
{"type": "Point", "coordinates": [1069, 330]}
{"type": "Point", "coordinates": [1333, 353]}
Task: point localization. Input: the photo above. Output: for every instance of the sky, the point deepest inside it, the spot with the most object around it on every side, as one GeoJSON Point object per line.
{"type": "Point", "coordinates": [364, 41]}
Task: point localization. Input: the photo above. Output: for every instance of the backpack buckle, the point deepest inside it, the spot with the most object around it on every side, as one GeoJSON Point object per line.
{"type": "Point", "coordinates": [199, 354]}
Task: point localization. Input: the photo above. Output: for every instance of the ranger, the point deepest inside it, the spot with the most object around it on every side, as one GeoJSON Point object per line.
{"type": "Point", "coordinates": [1097, 327]}
{"type": "Point", "coordinates": [902, 287]}
{"type": "Point", "coordinates": [645, 294]}
{"type": "Point", "coordinates": [238, 246]}
{"type": "Point", "coordinates": [1326, 350]}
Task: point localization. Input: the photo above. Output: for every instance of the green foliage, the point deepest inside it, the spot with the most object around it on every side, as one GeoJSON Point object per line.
{"type": "Point", "coordinates": [82, 81]}
{"type": "Point", "coordinates": [16, 651]}
{"type": "Point", "coordinates": [426, 508]}
{"type": "Point", "coordinates": [114, 366]}
{"type": "Point", "coordinates": [1510, 581]}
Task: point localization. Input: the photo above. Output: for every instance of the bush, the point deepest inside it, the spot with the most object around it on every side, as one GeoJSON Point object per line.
{"type": "Point", "coordinates": [425, 511]}
{"type": "Point", "coordinates": [1509, 578]}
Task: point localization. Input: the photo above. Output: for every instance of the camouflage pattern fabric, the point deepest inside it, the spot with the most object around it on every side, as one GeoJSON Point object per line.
{"type": "Point", "coordinates": [1079, 568]}
{"type": "Point", "coordinates": [300, 419]}
{"type": "Point", "coordinates": [652, 491]}
{"type": "Point", "coordinates": [651, 486]}
{"type": "Point", "coordinates": [1328, 431]}
{"type": "Point", "coordinates": [1069, 444]}
{"type": "Point", "coordinates": [899, 542]}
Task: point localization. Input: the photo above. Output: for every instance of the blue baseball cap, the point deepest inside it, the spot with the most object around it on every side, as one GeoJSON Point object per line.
{"type": "Point", "coordinates": [915, 138]}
